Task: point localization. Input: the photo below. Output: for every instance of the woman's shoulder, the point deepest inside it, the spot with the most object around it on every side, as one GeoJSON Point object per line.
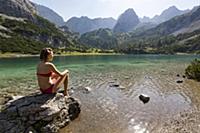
{"type": "Point", "coordinates": [49, 64]}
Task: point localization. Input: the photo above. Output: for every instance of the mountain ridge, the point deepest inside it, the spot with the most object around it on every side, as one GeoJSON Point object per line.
{"type": "Point", "coordinates": [84, 24]}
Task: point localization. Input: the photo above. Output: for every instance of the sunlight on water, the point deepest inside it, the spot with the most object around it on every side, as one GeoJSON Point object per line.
{"type": "Point", "coordinates": [137, 128]}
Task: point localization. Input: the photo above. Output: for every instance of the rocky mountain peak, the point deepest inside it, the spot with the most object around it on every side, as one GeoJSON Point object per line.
{"type": "Point", "coordinates": [168, 14]}
{"type": "Point", "coordinates": [126, 21]}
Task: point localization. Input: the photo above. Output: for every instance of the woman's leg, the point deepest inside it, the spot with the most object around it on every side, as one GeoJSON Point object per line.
{"type": "Point", "coordinates": [66, 85]}
{"type": "Point", "coordinates": [59, 82]}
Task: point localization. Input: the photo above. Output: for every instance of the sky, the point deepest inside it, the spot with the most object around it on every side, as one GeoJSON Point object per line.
{"type": "Point", "coordinates": [113, 8]}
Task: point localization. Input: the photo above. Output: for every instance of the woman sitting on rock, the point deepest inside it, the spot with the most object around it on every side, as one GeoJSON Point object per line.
{"type": "Point", "coordinates": [49, 78]}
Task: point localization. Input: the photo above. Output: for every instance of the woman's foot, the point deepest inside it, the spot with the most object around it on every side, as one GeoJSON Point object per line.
{"type": "Point", "coordinates": [66, 93]}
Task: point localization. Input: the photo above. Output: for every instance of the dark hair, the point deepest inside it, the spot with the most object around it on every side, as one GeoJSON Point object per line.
{"type": "Point", "coordinates": [44, 53]}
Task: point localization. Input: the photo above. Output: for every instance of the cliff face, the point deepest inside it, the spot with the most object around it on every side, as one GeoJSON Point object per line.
{"type": "Point", "coordinates": [49, 14]}
{"type": "Point", "coordinates": [18, 8]}
{"type": "Point", "coordinates": [127, 21]}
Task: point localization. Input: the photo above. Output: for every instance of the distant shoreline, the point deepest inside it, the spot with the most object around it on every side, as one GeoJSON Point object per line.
{"type": "Point", "coordinates": [16, 55]}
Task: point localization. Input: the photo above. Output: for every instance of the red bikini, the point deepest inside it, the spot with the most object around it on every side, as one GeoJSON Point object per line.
{"type": "Point", "coordinates": [50, 89]}
{"type": "Point", "coordinates": [45, 75]}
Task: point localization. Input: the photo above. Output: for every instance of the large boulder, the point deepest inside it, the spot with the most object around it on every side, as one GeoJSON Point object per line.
{"type": "Point", "coordinates": [38, 113]}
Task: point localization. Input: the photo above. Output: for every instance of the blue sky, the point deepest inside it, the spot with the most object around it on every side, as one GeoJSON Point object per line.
{"type": "Point", "coordinates": [113, 8]}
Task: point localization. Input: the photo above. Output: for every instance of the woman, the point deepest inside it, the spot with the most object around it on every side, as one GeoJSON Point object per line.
{"type": "Point", "coordinates": [49, 78]}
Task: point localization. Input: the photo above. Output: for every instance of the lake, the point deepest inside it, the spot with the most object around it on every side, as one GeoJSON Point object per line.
{"type": "Point", "coordinates": [116, 81]}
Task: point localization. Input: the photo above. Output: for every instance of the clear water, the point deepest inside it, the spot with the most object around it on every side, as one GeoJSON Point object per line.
{"type": "Point", "coordinates": [109, 109]}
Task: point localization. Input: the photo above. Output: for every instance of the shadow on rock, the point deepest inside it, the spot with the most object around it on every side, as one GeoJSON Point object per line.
{"type": "Point", "coordinates": [38, 113]}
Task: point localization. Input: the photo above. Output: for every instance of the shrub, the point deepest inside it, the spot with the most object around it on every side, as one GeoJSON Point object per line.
{"type": "Point", "coordinates": [193, 70]}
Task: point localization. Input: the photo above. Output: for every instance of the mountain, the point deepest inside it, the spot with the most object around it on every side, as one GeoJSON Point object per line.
{"type": "Point", "coordinates": [22, 30]}
{"type": "Point", "coordinates": [179, 34]}
{"type": "Point", "coordinates": [101, 38]}
{"type": "Point", "coordinates": [126, 21]}
{"type": "Point", "coordinates": [168, 14]}
{"type": "Point", "coordinates": [49, 14]}
{"type": "Point", "coordinates": [85, 24]}
{"type": "Point", "coordinates": [143, 27]}
{"type": "Point", "coordinates": [18, 8]}
{"type": "Point", "coordinates": [177, 24]}
{"type": "Point", "coordinates": [145, 19]}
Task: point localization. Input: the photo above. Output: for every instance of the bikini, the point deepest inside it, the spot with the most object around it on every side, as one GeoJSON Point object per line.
{"type": "Point", "coordinates": [50, 89]}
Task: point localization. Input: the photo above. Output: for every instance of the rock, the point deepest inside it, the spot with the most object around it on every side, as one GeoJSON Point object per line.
{"type": "Point", "coordinates": [38, 113]}
{"type": "Point", "coordinates": [87, 89]}
{"type": "Point", "coordinates": [122, 87]}
{"type": "Point", "coordinates": [114, 85]}
{"type": "Point", "coordinates": [144, 98]}
{"type": "Point", "coordinates": [179, 81]}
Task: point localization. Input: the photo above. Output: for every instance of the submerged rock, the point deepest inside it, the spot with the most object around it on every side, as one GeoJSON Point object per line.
{"type": "Point", "coordinates": [114, 84]}
{"type": "Point", "coordinates": [38, 113]}
{"type": "Point", "coordinates": [122, 87]}
{"type": "Point", "coordinates": [87, 89]}
{"type": "Point", "coordinates": [144, 98]}
{"type": "Point", "coordinates": [179, 81]}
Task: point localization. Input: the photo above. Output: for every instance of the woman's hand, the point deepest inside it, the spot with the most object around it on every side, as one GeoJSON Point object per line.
{"type": "Point", "coordinates": [65, 72]}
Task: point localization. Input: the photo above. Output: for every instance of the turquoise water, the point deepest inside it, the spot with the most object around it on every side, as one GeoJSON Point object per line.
{"type": "Point", "coordinates": [21, 71]}
{"type": "Point", "coordinates": [114, 109]}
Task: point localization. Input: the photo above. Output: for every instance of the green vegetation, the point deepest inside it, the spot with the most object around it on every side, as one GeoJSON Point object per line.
{"type": "Point", "coordinates": [101, 39]}
{"type": "Point", "coordinates": [130, 44]}
{"type": "Point", "coordinates": [18, 44]}
{"type": "Point", "coordinates": [193, 70]}
{"type": "Point", "coordinates": [26, 37]}
{"type": "Point", "coordinates": [170, 44]}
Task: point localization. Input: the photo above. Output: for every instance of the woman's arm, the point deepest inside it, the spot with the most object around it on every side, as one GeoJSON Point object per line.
{"type": "Point", "coordinates": [56, 71]}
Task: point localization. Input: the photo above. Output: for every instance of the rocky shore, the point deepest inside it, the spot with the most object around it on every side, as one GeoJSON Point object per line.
{"type": "Point", "coordinates": [38, 113]}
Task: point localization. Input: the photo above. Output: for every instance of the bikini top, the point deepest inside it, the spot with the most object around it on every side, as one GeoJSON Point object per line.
{"type": "Point", "coordinates": [45, 75]}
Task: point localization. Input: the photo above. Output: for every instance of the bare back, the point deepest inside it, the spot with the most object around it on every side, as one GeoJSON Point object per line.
{"type": "Point", "coordinates": [44, 68]}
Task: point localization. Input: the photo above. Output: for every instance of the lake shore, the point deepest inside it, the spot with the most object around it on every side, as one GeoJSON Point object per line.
{"type": "Point", "coordinates": [16, 55]}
